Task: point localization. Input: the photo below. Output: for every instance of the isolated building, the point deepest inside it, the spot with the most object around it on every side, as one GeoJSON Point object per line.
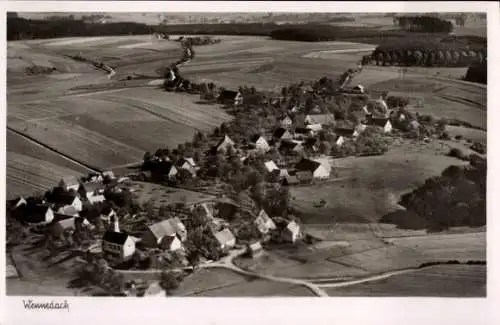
{"type": "Point", "coordinates": [260, 143]}
{"type": "Point", "coordinates": [224, 144]}
{"type": "Point", "coordinates": [118, 244]}
{"type": "Point", "coordinates": [318, 169]}
{"type": "Point", "coordinates": [155, 233]}
{"type": "Point", "coordinates": [225, 239]}
{"type": "Point", "coordinates": [69, 183]}
{"type": "Point", "coordinates": [264, 223]}
{"type": "Point", "coordinates": [291, 233]}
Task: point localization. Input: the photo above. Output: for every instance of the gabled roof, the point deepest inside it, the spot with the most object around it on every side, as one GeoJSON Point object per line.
{"type": "Point", "coordinates": [115, 237]}
{"type": "Point", "coordinates": [92, 187]}
{"type": "Point", "coordinates": [379, 121]}
{"type": "Point", "coordinates": [190, 161]}
{"type": "Point", "coordinates": [224, 236]}
{"type": "Point", "coordinates": [254, 138]}
{"type": "Point", "coordinates": [291, 179]}
{"type": "Point", "coordinates": [153, 289]}
{"type": "Point", "coordinates": [314, 127]}
{"type": "Point", "coordinates": [320, 118]}
{"type": "Point", "coordinates": [292, 227]}
{"type": "Point", "coordinates": [307, 165]}
{"type": "Point", "coordinates": [288, 145]}
{"type": "Point", "coordinates": [168, 227]}
{"type": "Point", "coordinates": [302, 130]}
{"type": "Point", "coordinates": [270, 166]}
{"type": "Point", "coordinates": [68, 223]}
{"type": "Point", "coordinates": [311, 142]}
{"type": "Point", "coordinates": [108, 174]}
{"type": "Point", "coordinates": [68, 210]}
{"type": "Point", "coordinates": [225, 141]}
{"type": "Point", "coordinates": [281, 132]}
{"type": "Point", "coordinates": [68, 199]}
{"type": "Point", "coordinates": [70, 181]}
{"type": "Point", "coordinates": [36, 213]}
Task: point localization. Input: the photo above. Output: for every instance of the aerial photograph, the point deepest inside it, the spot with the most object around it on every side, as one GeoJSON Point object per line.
{"type": "Point", "coordinates": [246, 154]}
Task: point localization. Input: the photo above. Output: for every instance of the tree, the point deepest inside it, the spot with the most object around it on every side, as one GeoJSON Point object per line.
{"type": "Point", "coordinates": [324, 147]}
{"type": "Point", "coordinates": [169, 282]}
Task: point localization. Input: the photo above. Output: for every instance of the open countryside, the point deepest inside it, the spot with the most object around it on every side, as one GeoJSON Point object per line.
{"type": "Point", "coordinates": [346, 164]}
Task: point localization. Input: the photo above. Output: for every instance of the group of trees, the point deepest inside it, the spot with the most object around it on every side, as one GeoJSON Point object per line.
{"type": "Point", "coordinates": [200, 40]}
{"type": "Point", "coordinates": [456, 198]}
{"type": "Point", "coordinates": [429, 55]}
{"type": "Point", "coordinates": [477, 72]}
{"type": "Point", "coordinates": [424, 24]}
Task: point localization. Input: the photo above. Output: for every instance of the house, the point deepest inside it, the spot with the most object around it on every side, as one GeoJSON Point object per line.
{"type": "Point", "coordinates": [315, 128]}
{"type": "Point", "coordinates": [72, 201]}
{"type": "Point", "coordinates": [227, 96]}
{"type": "Point", "coordinates": [38, 216]}
{"type": "Point", "coordinates": [68, 211]}
{"type": "Point", "coordinates": [204, 210]}
{"type": "Point", "coordinates": [312, 144]}
{"type": "Point", "coordinates": [319, 169]}
{"type": "Point", "coordinates": [62, 226]}
{"type": "Point", "coordinates": [93, 192]}
{"type": "Point", "coordinates": [16, 203]}
{"type": "Point", "coordinates": [189, 165]}
{"type": "Point", "coordinates": [118, 244]}
{"type": "Point", "coordinates": [304, 177]}
{"type": "Point", "coordinates": [155, 233]}
{"type": "Point", "coordinates": [226, 239]}
{"type": "Point", "coordinates": [255, 249]}
{"type": "Point", "coordinates": [154, 290]}
{"type": "Point", "coordinates": [170, 243]}
{"type": "Point", "coordinates": [358, 130]}
{"type": "Point", "coordinates": [282, 134]}
{"type": "Point", "coordinates": [302, 133]}
{"type": "Point", "coordinates": [359, 88]}
{"type": "Point", "coordinates": [225, 210]}
{"type": "Point", "coordinates": [283, 173]}
{"type": "Point", "coordinates": [270, 166]}
{"type": "Point", "coordinates": [224, 144]}
{"type": "Point", "coordinates": [414, 125]}
{"type": "Point", "coordinates": [286, 122]}
{"type": "Point", "coordinates": [339, 140]}
{"type": "Point", "coordinates": [260, 143]}
{"type": "Point", "coordinates": [289, 147]}
{"type": "Point", "coordinates": [264, 223]}
{"type": "Point", "coordinates": [290, 180]}
{"type": "Point", "coordinates": [69, 183]}
{"type": "Point", "coordinates": [321, 119]}
{"type": "Point", "coordinates": [383, 122]}
{"type": "Point", "coordinates": [108, 175]}
{"type": "Point", "coordinates": [106, 214]}
{"type": "Point", "coordinates": [291, 233]}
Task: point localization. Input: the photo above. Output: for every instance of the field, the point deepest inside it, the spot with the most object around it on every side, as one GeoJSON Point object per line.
{"type": "Point", "coordinates": [225, 283]}
{"type": "Point", "coordinates": [440, 281]}
{"type": "Point", "coordinates": [369, 187]}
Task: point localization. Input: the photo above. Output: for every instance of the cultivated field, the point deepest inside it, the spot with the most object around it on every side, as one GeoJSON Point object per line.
{"type": "Point", "coordinates": [439, 281]}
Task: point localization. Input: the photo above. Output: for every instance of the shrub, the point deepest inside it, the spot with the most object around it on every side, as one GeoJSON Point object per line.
{"type": "Point", "coordinates": [457, 153]}
{"type": "Point", "coordinates": [479, 147]}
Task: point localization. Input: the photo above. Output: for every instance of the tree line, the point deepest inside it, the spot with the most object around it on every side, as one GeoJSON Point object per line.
{"type": "Point", "coordinates": [424, 24]}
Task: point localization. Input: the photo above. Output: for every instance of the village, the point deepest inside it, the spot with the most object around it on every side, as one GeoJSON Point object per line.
{"type": "Point", "coordinates": [97, 216]}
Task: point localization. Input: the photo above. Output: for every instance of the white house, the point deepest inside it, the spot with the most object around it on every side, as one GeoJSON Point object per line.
{"type": "Point", "coordinates": [260, 143]}
{"type": "Point", "coordinates": [69, 183]}
{"type": "Point", "coordinates": [315, 128]}
{"type": "Point", "coordinates": [255, 249]}
{"type": "Point", "coordinates": [108, 174]}
{"type": "Point", "coordinates": [106, 214]}
{"type": "Point", "coordinates": [118, 244]}
{"type": "Point", "coordinates": [68, 210]}
{"type": "Point", "coordinates": [93, 192]}
{"type": "Point", "coordinates": [286, 122]}
{"type": "Point", "coordinates": [20, 201]}
{"type": "Point", "coordinates": [270, 166]}
{"type": "Point", "coordinates": [224, 144]}
{"type": "Point", "coordinates": [71, 201]}
{"type": "Point", "coordinates": [154, 290]}
{"type": "Point", "coordinates": [155, 233]}
{"type": "Point", "coordinates": [65, 225]}
{"type": "Point", "coordinates": [264, 223]}
{"type": "Point", "coordinates": [225, 238]}
{"type": "Point", "coordinates": [319, 168]}
{"type": "Point", "coordinates": [358, 130]}
{"type": "Point", "coordinates": [385, 123]}
{"type": "Point", "coordinates": [339, 141]}
{"type": "Point", "coordinates": [322, 119]}
{"type": "Point", "coordinates": [291, 233]}
{"type": "Point", "coordinates": [189, 165]}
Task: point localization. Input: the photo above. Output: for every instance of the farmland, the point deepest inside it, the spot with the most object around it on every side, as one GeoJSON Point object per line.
{"type": "Point", "coordinates": [440, 281]}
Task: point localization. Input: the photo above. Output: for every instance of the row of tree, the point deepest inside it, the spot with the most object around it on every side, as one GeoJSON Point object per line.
{"type": "Point", "coordinates": [428, 24]}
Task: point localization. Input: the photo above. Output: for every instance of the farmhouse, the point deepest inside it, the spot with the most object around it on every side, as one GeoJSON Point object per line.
{"type": "Point", "coordinates": [69, 211]}
{"type": "Point", "coordinates": [264, 223]}
{"type": "Point", "coordinates": [226, 239]}
{"type": "Point", "coordinates": [118, 244]}
{"type": "Point", "coordinates": [155, 233]}
{"type": "Point", "coordinates": [224, 144]}
{"type": "Point", "coordinates": [270, 166]}
{"type": "Point", "coordinates": [93, 192]}
{"type": "Point", "coordinates": [69, 183]}
{"type": "Point", "coordinates": [166, 169]}
{"type": "Point", "coordinates": [38, 216]}
{"type": "Point", "coordinates": [385, 123]}
{"type": "Point", "coordinates": [291, 233]}
{"type": "Point", "coordinates": [16, 203]}
{"type": "Point", "coordinates": [255, 249]}
{"type": "Point", "coordinates": [321, 119]}
{"type": "Point", "coordinates": [282, 134]}
{"type": "Point", "coordinates": [154, 290]}
{"type": "Point", "coordinates": [71, 201]}
{"type": "Point", "coordinates": [188, 164]}
{"type": "Point", "coordinates": [339, 140]}
{"type": "Point", "coordinates": [260, 143]}
{"type": "Point", "coordinates": [288, 147]}
{"type": "Point", "coordinates": [107, 213]}
{"type": "Point", "coordinates": [290, 180]}
{"type": "Point", "coordinates": [358, 130]}
{"type": "Point", "coordinates": [319, 169]}
{"type": "Point", "coordinates": [63, 226]}
{"type": "Point", "coordinates": [315, 128]}
{"type": "Point", "coordinates": [286, 122]}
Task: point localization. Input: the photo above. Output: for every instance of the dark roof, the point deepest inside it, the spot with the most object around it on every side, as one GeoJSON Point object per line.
{"type": "Point", "coordinates": [302, 130]}
{"type": "Point", "coordinates": [255, 137]}
{"type": "Point", "coordinates": [288, 145]}
{"type": "Point", "coordinates": [344, 131]}
{"type": "Point", "coordinates": [310, 142]}
{"type": "Point", "coordinates": [290, 180]}
{"type": "Point", "coordinates": [307, 165]}
{"type": "Point", "coordinates": [115, 237]}
{"type": "Point", "coordinates": [228, 94]}
{"type": "Point", "coordinates": [378, 121]}
{"type": "Point", "coordinates": [279, 132]}
{"type": "Point", "coordinates": [35, 213]}
{"type": "Point", "coordinates": [67, 198]}
{"type": "Point", "coordinates": [92, 187]}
